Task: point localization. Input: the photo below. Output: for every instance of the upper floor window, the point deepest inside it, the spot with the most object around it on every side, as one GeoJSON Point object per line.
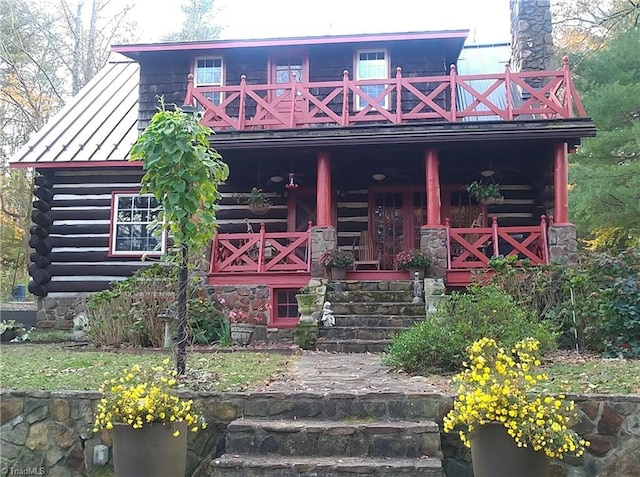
{"type": "Point", "coordinates": [208, 72]}
{"type": "Point", "coordinates": [132, 231]}
{"type": "Point", "coordinates": [372, 64]}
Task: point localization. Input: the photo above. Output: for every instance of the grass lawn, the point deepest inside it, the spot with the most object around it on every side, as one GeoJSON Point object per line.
{"type": "Point", "coordinates": [52, 367]}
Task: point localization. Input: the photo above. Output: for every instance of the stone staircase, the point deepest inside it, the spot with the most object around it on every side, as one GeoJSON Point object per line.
{"type": "Point", "coordinates": [320, 437]}
{"type": "Point", "coordinates": [367, 315]}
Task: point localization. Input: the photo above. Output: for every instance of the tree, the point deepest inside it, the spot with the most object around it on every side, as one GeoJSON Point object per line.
{"type": "Point", "coordinates": [605, 174]}
{"type": "Point", "coordinates": [199, 22]}
{"type": "Point", "coordinates": [184, 173]}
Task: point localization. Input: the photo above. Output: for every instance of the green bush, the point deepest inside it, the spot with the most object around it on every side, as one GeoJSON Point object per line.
{"type": "Point", "coordinates": [440, 342]}
{"type": "Point", "coordinates": [207, 322]}
{"type": "Point", "coordinates": [595, 305]}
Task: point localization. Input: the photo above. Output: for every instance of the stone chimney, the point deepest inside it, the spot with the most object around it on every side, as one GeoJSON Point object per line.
{"type": "Point", "coordinates": [531, 40]}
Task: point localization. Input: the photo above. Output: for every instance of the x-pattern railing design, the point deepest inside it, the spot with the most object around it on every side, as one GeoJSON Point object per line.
{"type": "Point", "coordinates": [261, 252]}
{"type": "Point", "coordinates": [533, 94]}
{"type": "Point", "coordinates": [472, 247]}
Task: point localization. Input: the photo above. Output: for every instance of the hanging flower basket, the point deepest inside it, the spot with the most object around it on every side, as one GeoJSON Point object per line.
{"type": "Point", "coordinates": [259, 209]}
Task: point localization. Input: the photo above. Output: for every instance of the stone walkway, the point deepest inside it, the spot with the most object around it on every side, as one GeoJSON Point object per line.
{"type": "Point", "coordinates": [320, 372]}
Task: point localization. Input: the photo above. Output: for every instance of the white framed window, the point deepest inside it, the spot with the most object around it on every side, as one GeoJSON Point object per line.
{"type": "Point", "coordinates": [132, 225]}
{"type": "Point", "coordinates": [209, 72]}
{"type": "Point", "coordinates": [372, 64]}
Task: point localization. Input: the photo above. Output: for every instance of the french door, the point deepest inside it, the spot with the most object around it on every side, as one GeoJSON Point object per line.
{"type": "Point", "coordinates": [397, 218]}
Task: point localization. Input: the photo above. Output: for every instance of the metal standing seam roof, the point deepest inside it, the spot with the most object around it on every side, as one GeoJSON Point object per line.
{"type": "Point", "coordinates": [482, 59]}
{"type": "Point", "coordinates": [99, 124]}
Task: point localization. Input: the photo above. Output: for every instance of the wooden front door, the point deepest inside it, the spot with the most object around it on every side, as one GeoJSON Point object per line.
{"type": "Point", "coordinates": [283, 68]}
{"type": "Point", "coordinates": [397, 218]}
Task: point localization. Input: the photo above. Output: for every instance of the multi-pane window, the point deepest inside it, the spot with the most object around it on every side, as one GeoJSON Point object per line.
{"type": "Point", "coordinates": [208, 72]}
{"type": "Point", "coordinates": [372, 65]}
{"type": "Point", "coordinates": [133, 225]}
{"type": "Point", "coordinates": [286, 304]}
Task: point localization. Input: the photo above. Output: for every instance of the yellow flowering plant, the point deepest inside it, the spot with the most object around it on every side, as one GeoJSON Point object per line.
{"type": "Point", "coordinates": [141, 397]}
{"type": "Point", "coordinates": [496, 387]}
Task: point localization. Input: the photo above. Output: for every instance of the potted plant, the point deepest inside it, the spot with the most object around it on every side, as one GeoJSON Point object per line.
{"type": "Point", "coordinates": [257, 201]}
{"type": "Point", "coordinates": [414, 260]}
{"type": "Point", "coordinates": [484, 193]}
{"type": "Point", "coordinates": [510, 429]}
{"type": "Point", "coordinates": [148, 420]}
{"type": "Point", "coordinates": [336, 261]}
{"type": "Point", "coordinates": [242, 325]}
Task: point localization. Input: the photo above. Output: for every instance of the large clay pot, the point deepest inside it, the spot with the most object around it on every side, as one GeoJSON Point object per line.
{"type": "Point", "coordinates": [338, 273]}
{"type": "Point", "coordinates": [152, 450]}
{"type": "Point", "coordinates": [494, 453]}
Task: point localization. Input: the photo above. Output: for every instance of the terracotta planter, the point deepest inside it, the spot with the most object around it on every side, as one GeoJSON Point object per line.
{"type": "Point", "coordinates": [494, 453]}
{"type": "Point", "coordinates": [338, 273]}
{"type": "Point", "coordinates": [241, 333]}
{"type": "Point", "coordinates": [151, 450]}
{"type": "Point", "coordinates": [413, 270]}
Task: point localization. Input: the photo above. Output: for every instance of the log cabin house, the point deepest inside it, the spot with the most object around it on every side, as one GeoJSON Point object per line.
{"type": "Point", "coordinates": [363, 142]}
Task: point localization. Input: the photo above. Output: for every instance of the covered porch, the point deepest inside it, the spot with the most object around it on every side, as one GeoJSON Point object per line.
{"type": "Point", "coordinates": [407, 203]}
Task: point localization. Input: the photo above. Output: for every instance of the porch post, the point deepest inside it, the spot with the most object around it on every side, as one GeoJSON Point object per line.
{"type": "Point", "coordinates": [323, 204]}
{"type": "Point", "coordinates": [433, 186]}
{"type": "Point", "coordinates": [560, 183]}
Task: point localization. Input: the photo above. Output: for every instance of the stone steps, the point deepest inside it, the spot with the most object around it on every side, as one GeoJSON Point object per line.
{"type": "Point", "coordinates": [358, 332]}
{"type": "Point", "coordinates": [333, 438]}
{"type": "Point", "coordinates": [335, 466]}
{"type": "Point", "coordinates": [368, 314]}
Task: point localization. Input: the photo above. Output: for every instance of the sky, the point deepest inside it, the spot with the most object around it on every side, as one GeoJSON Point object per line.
{"type": "Point", "coordinates": [487, 20]}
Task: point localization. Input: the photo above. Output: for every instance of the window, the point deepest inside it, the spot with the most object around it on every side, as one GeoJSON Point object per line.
{"type": "Point", "coordinates": [286, 304]}
{"type": "Point", "coordinates": [372, 65]}
{"type": "Point", "coordinates": [131, 225]}
{"type": "Point", "coordinates": [208, 72]}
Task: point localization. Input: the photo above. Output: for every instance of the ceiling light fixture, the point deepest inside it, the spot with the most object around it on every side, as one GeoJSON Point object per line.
{"type": "Point", "coordinates": [379, 177]}
{"type": "Point", "coordinates": [487, 173]}
{"type": "Point", "coordinates": [276, 179]}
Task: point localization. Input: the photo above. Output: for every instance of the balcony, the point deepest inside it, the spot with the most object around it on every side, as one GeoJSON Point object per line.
{"type": "Point", "coordinates": [507, 96]}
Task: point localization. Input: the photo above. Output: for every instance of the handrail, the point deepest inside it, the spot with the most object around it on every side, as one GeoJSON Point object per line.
{"type": "Point", "coordinates": [261, 252]}
{"type": "Point", "coordinates": [472, 247]}
{"type": "Point", "coordinates": [400, 100]}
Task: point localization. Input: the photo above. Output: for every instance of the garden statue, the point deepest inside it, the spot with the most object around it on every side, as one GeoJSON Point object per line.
{"type": "Point", "coordinates": [417, 289]}
{"type": "Point", "coordinates": [327, 319]}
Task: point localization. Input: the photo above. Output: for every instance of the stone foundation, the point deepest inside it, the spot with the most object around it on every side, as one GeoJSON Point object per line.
{"type": "Point", "coordinates": [53, 430]}
{"type": "Point", "coordinates": [253, 300]}
{"type": "Point", "coordinates": [433, 242]}
{"type": "Point", "coordinates": [563, 244]}
{"type": "Point", "coordinates": [59, 312]}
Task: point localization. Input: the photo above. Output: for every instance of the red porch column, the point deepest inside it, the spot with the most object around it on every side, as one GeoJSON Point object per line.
{"type": "Point", "coordinates": [432, 165]}
{"type": "Point", "coordinates": [560, 183]}
{"type": "Point", "coordinates": [323, 204]}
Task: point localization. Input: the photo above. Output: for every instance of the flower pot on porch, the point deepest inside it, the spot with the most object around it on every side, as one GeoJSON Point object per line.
{"type": "Point", "coordinates": [241, 333]}
{"type": "Point", "coordinates": [151, 450]}
{"type": "Point", "coordinates": [259, 209]}
{"type": "Point", "coordinates": [338, 273]}
{"type": "Point", "coordinates": [414, 270]}
{"type": "Point", "coordinates": [494, 453]}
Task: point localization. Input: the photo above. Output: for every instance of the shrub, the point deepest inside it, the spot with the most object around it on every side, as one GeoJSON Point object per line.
{"type": "Point", "coordinates": [128, 311]}
{"type": "Point", "coordinates": [439, 343]}
{"type": "Point", "coordinates": [207, 322]}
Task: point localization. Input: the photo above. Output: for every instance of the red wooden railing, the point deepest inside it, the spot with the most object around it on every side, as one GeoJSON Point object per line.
{"type": "Point", "coordinates": [472, 247]}
{"type": "Point", "coordinates": [405, 99]}
{"type": "Point", "coordinates": [261, 252]}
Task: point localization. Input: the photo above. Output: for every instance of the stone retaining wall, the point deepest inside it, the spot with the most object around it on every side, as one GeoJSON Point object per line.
{"type": "Point", "coordinates": [52, 431]}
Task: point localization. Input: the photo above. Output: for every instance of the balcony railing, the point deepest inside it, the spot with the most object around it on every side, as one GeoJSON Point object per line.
{"type": "Point", "coordinates": [401, 100]}
{"type": "Point", "coordinates": [262, 252]}
{"type": "Point", "coordinates": [472, 247]}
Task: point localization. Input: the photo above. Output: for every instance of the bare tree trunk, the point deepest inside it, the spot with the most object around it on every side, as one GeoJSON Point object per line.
{"type": "Point", "coordinates": [77, 51]}
{"type": "Point", "coordinates": [89, 65]}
